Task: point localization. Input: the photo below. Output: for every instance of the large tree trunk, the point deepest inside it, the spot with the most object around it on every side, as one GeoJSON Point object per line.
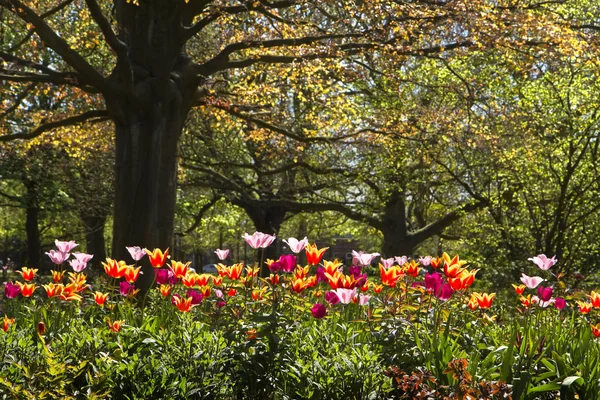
{"type": "Point", "coordinates": [160, 83]}
{"type": "Point", "coordinates": [32, 229]}
{"type": "Point", "coordinates": [396, 240]}
{"type": "Point", "coordinates": [94, 239]}
{"type": "Point", "coordinates": [267, 220]}
{"type": "Point", "coordinates": [146, 179]}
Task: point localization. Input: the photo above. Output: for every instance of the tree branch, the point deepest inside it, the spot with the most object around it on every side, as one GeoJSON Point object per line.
{"type": "Point", "coordinates": [88, 73]}
{"type": "Point", "coordinates": [100, 115]}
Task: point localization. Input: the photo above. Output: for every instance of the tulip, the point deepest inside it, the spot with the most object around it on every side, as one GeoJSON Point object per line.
{"type": "Point", "coordinates": [411, 269]}
{"type": "Point", "coordinates": [332, 298]}
{"type": "Point", "coordinates": [27, 273]}
{"type": "Point", "coordinates": [287, 262]}
{"type": "Point", "coordinates": [179, 269]}
{"type": "Point", "coordinates": [165, 290]}
{"type": "Point", "coordinates": [41, 328]}
{"type": "Point", "coordinates": [136, 252]}
{"type": "Point", "coordinates": [100, 298]}
{"type": "Point", "coordinates": [190, 280]}
{"type": "Point", "coordinates": [436, 262]}
{"type": "Point", "coordinates": [217, 280]}
{"type": "Point", "coordinates": [484, 300]}
{"type": "Point", "coordinates": [231, 292]}
{"type": "Point", "coordinates": [184, 305]}
{"type": "Point", "coordinates": [362, 258]}
{"type": "Point", "coordinates": [57, 276]}
{"type": "Point", "coordinates": [425, 261]}
{"type": "Point", "coordinates": [314, 255]}
{"type": "Point", "coordinates": [401, 260]}
{"type": "Point", "coordinates": [452, 267]}
{"type": "Point", "coordinates": [126, 288]}
{"type": "Point", "coordinates": [53, 289]}
{"type": "Point", "coordinates": [596, 329]}
{"type": "Point", "coordinates": [222, 254]}
{"type": "Point", "coordinates": [7, 322]}
{"type": "Point", "coordinates": [115, 326]}
{"type": "Point", "coordinates": [259, 240]}
{"type": "Point", "coordinates": [320, 274]}
{"type": "Point", "coordinates": [57, 257]}
{"type": "Point", "coordinates": [65, 247]}
{"type": "Point", "coordinates": [584, 307]}
{"type": "Point", "coordinates": [531, 281]}
{"type": "Point", "coordinates": [559, 303]}
{"type": "Point", "coordinates": [595, 299]}
{"type": "Point", "coordinates": [77, 265]}
{"type": "Point", "coordinates": [27, 289]}
{"type": "Point", "coordinates": [319, 311]}
{"type": "Point", "coordinates": [390, 276]}
{"type": "Point", "coordinates": [346, 295]}
{"type": "Point", "coordinates": [114, 269]}
{"type": "Point", "coordinates": [543, 262]}
{"type": "Point", "coordinates": [388, 262]}
{"type": "Point", "coordinates": [519, 289]}
{"type": "Point", "coordinates": [296, 245]}
{"type": "Point", "coordinates": [164, 276]}
{"type": "Point", "coordinates": [195, 296]}
{"type": "Point", "coordinates": [235, 271]}
{"type": "Point", "coordinates": [157, 257]}
{"type": "Point", "coordinates": [11, 290]}
{"type": "Point", "coordinates": [545, 294]}
{"type": "Point", "coordinates": [363, 299]}
{"type": "Point", "coordinates": [83, 257]}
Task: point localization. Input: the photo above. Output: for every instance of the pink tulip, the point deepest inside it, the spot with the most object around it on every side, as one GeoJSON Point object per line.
{"type": "Point", "coordinates": [222, 254]}
{"type": "Point", "coordinates": [77, 265]}
{"type": "Point", "coordinates": [531, 281]}
{"type": "Point", "coordinates": [362, 258]}
{"type": "Point", "coordinates": [58, 257]}
{"type": "Point", "coordinates": [345, 295]}
{"type": "Point", "coordinates": [319, 311]}
{"type": "Point", "coordinates": [259, 240]}
{"type": "Point", "coordinates": [296, 245]}
{"type": "Point", "coordinates": [388, 262]}
{"type": "Point", "coordinates": [363, 299]}
{"type": "Point", "coordinates": [401, 260]}
{"type": "Point", "coordinates": [425, 261]}
{"type": "Point", "coordinates": [136, 252]}
{"type": "Point", "coordinates": [65, 247]}
{"type": "Point", "coordinates": [559, 303]}
{"type": "Point", "coordinates": [331, 297]}
{"type": "Point", "coordinates": [543, 262]}
{"type": "Point", "coordinates": [84, 258]}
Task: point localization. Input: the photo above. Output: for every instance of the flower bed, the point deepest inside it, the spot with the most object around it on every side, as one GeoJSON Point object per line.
{"type": "Point", "coordinates": [323, 330]}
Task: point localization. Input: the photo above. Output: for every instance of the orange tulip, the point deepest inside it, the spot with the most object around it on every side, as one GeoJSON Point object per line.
{"type": "Point", "coordinates": [78, 281]}
{"type": "Point", "coordinates": [251, 272]}
{"type": "Point", "coordinates": [165, 290]}
{"type": "Point", "coordinates": [595, 299]}
{"type": "Point", "coordinates": [390, 276]}
{"type": "Point", "coordinates": [484, 300]}
{"type": "Point", "coordinates": [53, 289]}
{"type": "Point", "coordinates": [519, 289]}
{"type": "Point", "coordinates": [274, 279]}
{"type": "Point", "coordinates": [298, 285]}
{"type": "Point", "coordinates": [584, 307]}
{"type": "Point", "coordinates": [179, 269]}
{"type": "Point", "coordinates": [27, 273]}
{"type": "Point", "coordinates": [157, 257]}
{"type": "Point", "coordinates": [365, 287]}
{"type": "Point", "coordinates": [115, 326]}
{"type": "Point", "coordinates": [377, 288]}
{"type": "Point", "coordinates": [231, 292]}
{"type": "Point", "coordinates": [221, 270]}
{"type": "Point", "coordinates": [456, 283]}
{"type": "Point", "coordinates": [100, 298]}
{"type": "Point", "coordinates": [190, 280]}
{"type": "Point", "coordinates": [314, 255]}
{"type": "Point", "coordinates": [202, 279]}
{"type": "Point", "coordinates": [332, 266]}
{"type": "Point", "coordinates": [257, 294]}
{"type": "Point", "coordinates": [184, 305]}
{"type": "Point", "coordinates": [412, 269]}
{"type": "Point", "coordinates": [235, 271]}
{"type": "Point", "coordinates": [473, 304]}
{"type": "Point", "coordinates": [206, 291]}
{"type": "Point", "coordinates": [57, 276]}
{"type": "Point", "coordinates": [436, 262]}
{"type": "Point", "coordinates": [27, 289]}
{"type": "Point", "coordinates": [452, 267]}
{"type": "Point", "coordinates": [596, 329]}
{"type": "Point", "coordinates": [526, 301]}
{"type": "Point", "coordinates": [132, 274]}
{"type": "Point", "coordinates": [114, 269]}
{"type": "Point", "coordinates": [217, 280]}
{"type": "Point", "coordinates": [7, 323]}
{"type": "Point", "coordinates": [251, 334]}
{"type": "Point", "coordinates": [301, 272]}
{"type": "Point", "coordinates": [468, 277]}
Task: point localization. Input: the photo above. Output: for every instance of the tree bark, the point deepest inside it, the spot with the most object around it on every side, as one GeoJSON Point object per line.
{"type": "Point", "coordinates": [34, 249]}
{"type": "Point", "coordinates": [94, 239]}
